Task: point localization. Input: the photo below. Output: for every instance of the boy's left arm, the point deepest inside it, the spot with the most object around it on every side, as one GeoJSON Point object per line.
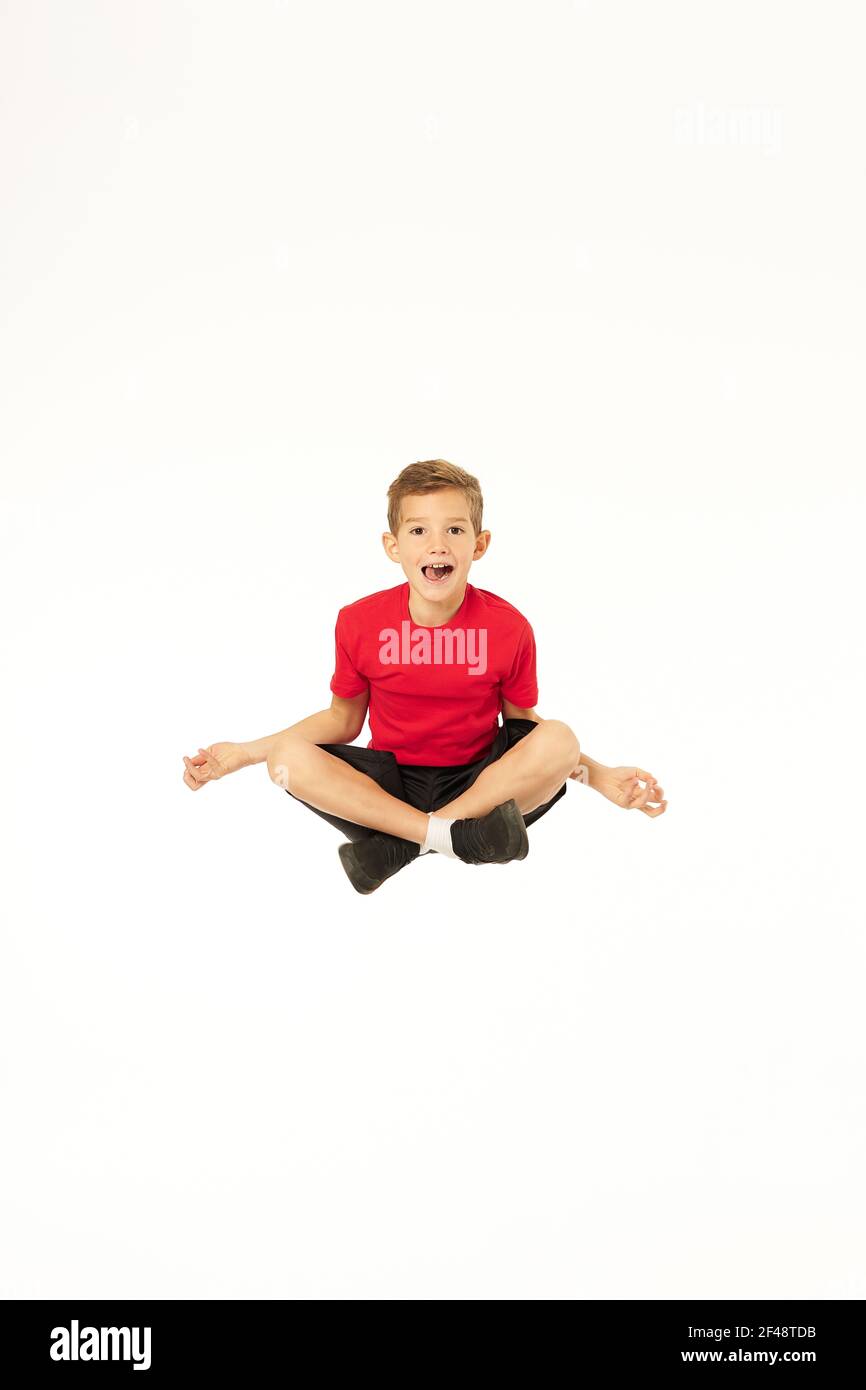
{"type": "Point", "coordinates": [621, 785]}
{"type": "Point", "coordinates": [510, 711]}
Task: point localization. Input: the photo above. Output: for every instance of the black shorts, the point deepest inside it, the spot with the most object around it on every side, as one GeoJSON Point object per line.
{"type": "Point", "coordinates": [426, 788]}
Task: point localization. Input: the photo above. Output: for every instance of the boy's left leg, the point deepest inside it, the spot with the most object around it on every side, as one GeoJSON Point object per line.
{"type": "Point", "coordinates": [540, 779]}
{"type": "Point", "coordinates": [533, 770]}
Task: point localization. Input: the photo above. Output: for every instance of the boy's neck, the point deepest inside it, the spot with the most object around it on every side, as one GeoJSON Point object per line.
{"type": "Point", "coordinates": [428, 614]}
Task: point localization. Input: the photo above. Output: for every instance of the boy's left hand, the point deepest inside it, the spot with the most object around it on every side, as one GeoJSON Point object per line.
{"type": "Point", "coordinates": [622, 786]}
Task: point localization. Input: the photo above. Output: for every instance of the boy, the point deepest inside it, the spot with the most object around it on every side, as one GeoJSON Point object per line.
{"type": "Point", "coordinates": [435, 660]}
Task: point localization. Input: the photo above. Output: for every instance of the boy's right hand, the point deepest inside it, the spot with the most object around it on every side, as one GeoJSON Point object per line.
{"type": "Point", "coordinates": [213, 762]}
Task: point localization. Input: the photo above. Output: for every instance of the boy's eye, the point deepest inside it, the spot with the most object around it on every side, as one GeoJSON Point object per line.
{"type": "Point", "coordinates": [450, 528]}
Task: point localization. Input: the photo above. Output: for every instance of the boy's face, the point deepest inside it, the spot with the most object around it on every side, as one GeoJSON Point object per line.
{"type": "Point", "coordinates": [435, 528]}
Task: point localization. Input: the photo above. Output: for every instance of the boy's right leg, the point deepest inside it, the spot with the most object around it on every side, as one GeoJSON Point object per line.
{"type": "Point", "coordinates": [357, 802]}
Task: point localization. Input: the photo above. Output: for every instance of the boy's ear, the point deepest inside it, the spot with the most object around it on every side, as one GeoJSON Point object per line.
{"type": "Point", "coordinates": [482, 541]}
{"type": "Point", "coordinates": [391, 546]}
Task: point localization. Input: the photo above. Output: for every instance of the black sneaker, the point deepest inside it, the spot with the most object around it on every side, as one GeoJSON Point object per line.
{"type": "Point", "coordinates": [370, 861]}
{"type": "Point", "coordinates": [492, 839]}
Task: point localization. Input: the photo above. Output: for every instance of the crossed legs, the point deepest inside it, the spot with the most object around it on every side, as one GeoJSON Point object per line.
{"type": "Point", "coordinates": [531, 771]}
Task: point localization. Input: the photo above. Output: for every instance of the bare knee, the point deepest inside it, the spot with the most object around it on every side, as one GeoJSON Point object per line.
{"type": "Point", "coordinates": [561, 743]}
{"type": "Point", "coordinates": [285, 754]}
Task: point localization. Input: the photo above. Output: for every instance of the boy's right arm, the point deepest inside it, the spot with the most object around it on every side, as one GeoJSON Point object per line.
{"type": "Point", "coordinates": [340, 724]}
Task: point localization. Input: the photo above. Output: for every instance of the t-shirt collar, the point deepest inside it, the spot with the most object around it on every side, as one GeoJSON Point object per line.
{"type": "Point", "coordinates": [457, 619]}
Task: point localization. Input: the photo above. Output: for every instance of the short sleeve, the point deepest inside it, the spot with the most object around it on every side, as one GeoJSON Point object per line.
{"type": "Point", "coordinates": [520, 686]}
{"type": "Point", "coordinates": [346, 682]}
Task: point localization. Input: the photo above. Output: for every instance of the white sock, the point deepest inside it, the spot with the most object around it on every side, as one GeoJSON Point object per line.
{"type": "Point", "coordinates": [439, 835]}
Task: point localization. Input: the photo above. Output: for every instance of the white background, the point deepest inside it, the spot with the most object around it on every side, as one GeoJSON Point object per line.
{"type": "Point", "coordinates": [255, 259]}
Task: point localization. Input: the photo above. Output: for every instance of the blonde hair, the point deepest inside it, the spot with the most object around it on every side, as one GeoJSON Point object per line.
{"type": "Point", "coordinates": [432, 475]}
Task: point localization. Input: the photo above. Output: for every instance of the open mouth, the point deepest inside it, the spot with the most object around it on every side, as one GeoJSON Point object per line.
{"type": "Point", "coordinates": [437, 574]}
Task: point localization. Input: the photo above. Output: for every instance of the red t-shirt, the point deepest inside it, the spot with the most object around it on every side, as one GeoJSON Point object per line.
{"type": "Point", "coordinates": [435, 692]}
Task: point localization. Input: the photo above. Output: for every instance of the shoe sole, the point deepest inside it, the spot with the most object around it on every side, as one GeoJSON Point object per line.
{"type": "Point", "coordinates": [358, 876]}
{"type": "Point", "coordinates": [517, 846]}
